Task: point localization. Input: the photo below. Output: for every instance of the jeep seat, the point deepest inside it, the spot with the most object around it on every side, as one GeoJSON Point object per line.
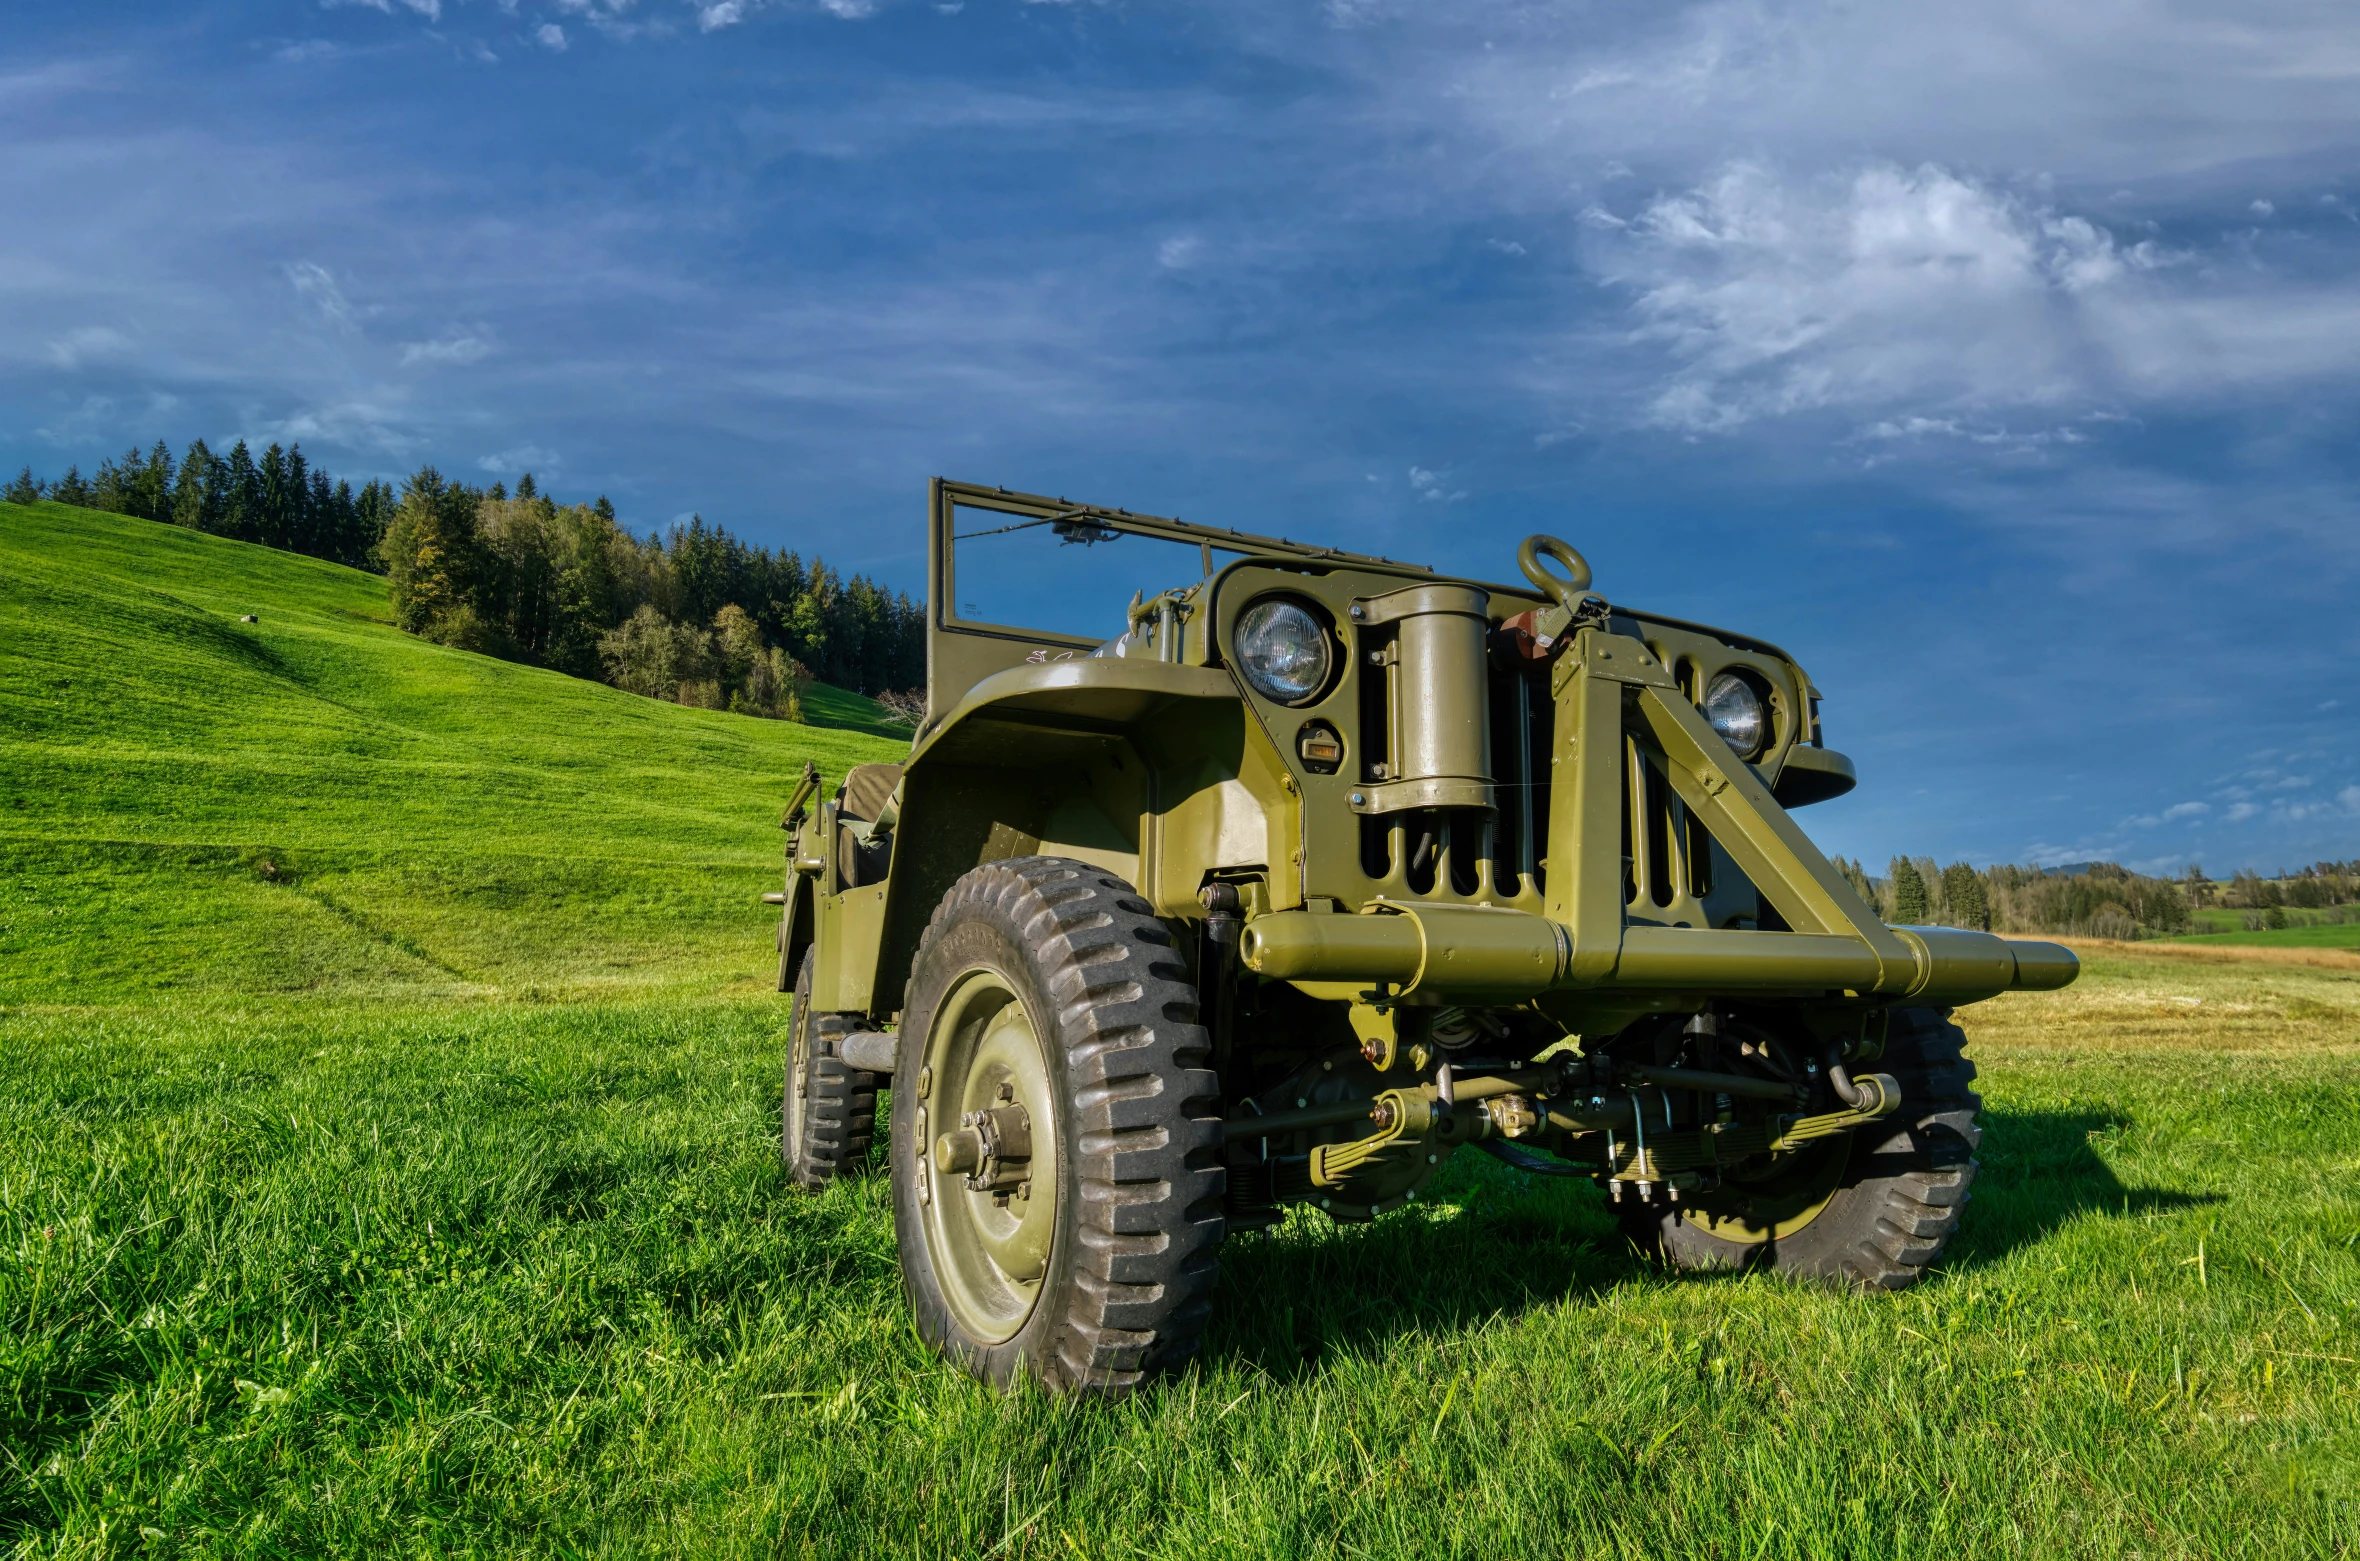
{"type": "Point", "coordinates": [862, 850]}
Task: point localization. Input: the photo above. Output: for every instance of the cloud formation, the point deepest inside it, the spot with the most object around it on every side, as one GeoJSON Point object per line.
{"type": "Point", "coordinates": [1919, 293]}
{"type": "Point", "coordinates": [459, 347]}
{"type": "Point", "coordinates": [317, 286]}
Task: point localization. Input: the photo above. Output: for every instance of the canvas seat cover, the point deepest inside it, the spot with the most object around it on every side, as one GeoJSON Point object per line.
{"type": "Point", "coordinates": [867, 788]}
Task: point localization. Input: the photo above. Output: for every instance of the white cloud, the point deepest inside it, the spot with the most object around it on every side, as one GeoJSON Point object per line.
{"type": "Point", "coordinates": [1869, 257]}
{"type": "Point", "coordinates": [1924, 294]}
{"type": "Point", "coordinates": [849, 10]}
{"type": "Point", "coordinates": [1885, 288]}
{"type": "Point", "coordinates": [361, 423]}
{"type": "Point", "coordinates": [1433, 487]}
{"type": "Point", "coordinates": [1504, 246]}
{"type": "Point", "coordinates": [551, 36]}
{"type": "Point", "coordinates": [463, 346]}
{"type": "Point", "coordinates": [82, 345]}
{"type": "Point", "coordinates": [318, 287]}
{"type": "Point", "coordinates": [2181, 810]}
{"type": "Point", "coordinates": [2240, 812]}
{"type": "Point", "coordinates": [306, 50]}
{"type": "Point", "coordinates": [524, 458]}
{"type": "Point", "coordinates": [722, 13]}
{"type": "Point", "coordinates": [2350, 798]}
{"type": "Point", "coordinates": [1179, 252]}
{"type": "Point", "coordinates": [430, 9]}
{"type": "Point", "coordinates": [2112, 95]}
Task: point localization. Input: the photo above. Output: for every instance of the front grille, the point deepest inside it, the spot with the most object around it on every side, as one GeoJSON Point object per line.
{"type": "Point", "coordinates": [1673, 872]}
{"type": "Point", "coordinates": [1472, 853]}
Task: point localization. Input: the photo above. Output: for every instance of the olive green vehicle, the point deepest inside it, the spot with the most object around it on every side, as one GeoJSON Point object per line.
{"type": "Point", "coordinates": [1321, 869]}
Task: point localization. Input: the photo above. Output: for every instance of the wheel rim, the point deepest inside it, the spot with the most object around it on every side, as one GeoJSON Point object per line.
{"type": "Point", "coordinates": [989, 1244]}
{"type": "Point", "coordinates": [1778, 1203]}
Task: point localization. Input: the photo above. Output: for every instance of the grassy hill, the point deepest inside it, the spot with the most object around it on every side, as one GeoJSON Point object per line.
{"type": "Point", "coordinates": [388, 1117]}
{"type": "Point", "coordinates": [317, 801]}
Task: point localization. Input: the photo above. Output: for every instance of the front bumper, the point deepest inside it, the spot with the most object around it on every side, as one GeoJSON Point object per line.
{"type": "Point", "coordinates": [1472, 952]}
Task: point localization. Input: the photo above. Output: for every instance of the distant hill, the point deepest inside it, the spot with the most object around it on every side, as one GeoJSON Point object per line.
{"type": "Point", "coordinates": [318, 800]}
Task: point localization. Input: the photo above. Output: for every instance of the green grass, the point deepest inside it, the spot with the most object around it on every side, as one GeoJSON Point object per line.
{"type": "Point", "coordinates": [426, 1202]}
{"type": "Point", "coordinates": [2309, 929]}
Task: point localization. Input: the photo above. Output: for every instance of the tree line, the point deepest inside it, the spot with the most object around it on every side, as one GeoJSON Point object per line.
{"type": "Point", "coordinates": [280, 500]}
{"type": "Point", "coordinates": [2094, 899]}
{"type": "Point", "coordinates": [693, 614]}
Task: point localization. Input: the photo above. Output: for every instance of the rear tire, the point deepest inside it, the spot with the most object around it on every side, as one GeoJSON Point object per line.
{"type": "Point", "coordinates": [828, 1113]}
{"type": "Point", "coordinates": [1048, 984]}
{"type": "Point", "coordinates": [1895, 1203]}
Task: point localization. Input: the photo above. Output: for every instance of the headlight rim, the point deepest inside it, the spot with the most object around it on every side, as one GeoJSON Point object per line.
{"type": "Point", "coordinates": [1321, 622]}
{"type": "Point", "coordinates": [1758, 692]}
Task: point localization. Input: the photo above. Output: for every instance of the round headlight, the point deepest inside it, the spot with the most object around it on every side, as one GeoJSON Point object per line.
{"type": "Point", "coordinates": [1733, 709]}
{"type": "Point", "coordinates": [1282, 648]}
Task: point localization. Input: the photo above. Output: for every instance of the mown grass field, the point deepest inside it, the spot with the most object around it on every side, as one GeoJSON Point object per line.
{"type": "Point", "coordinates": [2306, 929]}
{"type": "Point", "coordinates": [418, 1195]}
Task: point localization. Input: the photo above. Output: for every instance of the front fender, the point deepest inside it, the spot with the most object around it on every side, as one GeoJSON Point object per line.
{"type": "Point", "coordinates": [1089, 694]}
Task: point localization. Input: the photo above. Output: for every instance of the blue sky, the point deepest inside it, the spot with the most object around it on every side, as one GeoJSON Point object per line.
{"type": "Point", "coordinates": [2002, 363]}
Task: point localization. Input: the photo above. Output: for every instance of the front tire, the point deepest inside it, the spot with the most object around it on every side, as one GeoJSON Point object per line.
{"type": "Point", "coordinates": [1876, 1211]}
{"type": "Point", "coordinates": [1057, 1168]}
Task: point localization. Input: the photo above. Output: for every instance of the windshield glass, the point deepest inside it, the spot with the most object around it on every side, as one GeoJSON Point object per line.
{"type": "Point", "coordinates": [1062, 576]}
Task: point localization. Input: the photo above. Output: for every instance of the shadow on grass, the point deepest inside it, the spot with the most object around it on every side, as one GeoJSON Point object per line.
{"type": "Point", "coordinates": [2041, 1170]}
{"type": "Point", "coordinates": [1490, 1243]}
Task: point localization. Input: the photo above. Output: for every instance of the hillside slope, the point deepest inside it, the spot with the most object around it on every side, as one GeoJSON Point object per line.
{"type": "Point", "coordinates": [318, 800]}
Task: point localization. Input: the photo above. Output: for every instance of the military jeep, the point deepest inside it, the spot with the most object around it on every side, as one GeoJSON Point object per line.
{"type": "Point", "coordinates": [1306, 870]}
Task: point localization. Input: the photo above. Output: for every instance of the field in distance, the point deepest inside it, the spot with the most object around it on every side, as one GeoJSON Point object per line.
{"type": "Point", "coordinates": [2305, 929]}
{"type": "Point", "coordinates": [388, 1111]}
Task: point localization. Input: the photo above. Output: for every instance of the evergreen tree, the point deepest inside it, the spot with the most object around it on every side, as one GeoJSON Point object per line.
{"type": "Point", "coordinates": [809, 629]}
{"type": "Point", "coordinates": [241, 506]}
{"type": "Point", "coordinates": [25, 490]}
{"type": "Point", "coordinates": [1962, 888]}
{"type": "Point", "coordinates": [189, 493]}
{"type": "Point", "coordinates": [323, 535]}
{"type": "Point", "coordinates": [110, 485]}
{"type": "Point", "coordinates": [153, 490]}
{"type": "Point", "coordinates": [300, 534]}
{"type": "Point", "coordinates": [1857, 876]}
{"type": "Point", "coordinates": [430, 558]}
{"type": "Point", "coordinates": [525, 488]}
{"type": "Point", "coordinates": [275, 517]}
{"type": "Point", "coordinates": [1910, 908]}
{"type": "Point", "coordinates": [1937, 904]}
{"type": "Point", "coordinates": [71, 489]}
{"type": "Point", "coordinates": [343, 524]}
{"type": "Point", "coordinates": [372, 513]}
